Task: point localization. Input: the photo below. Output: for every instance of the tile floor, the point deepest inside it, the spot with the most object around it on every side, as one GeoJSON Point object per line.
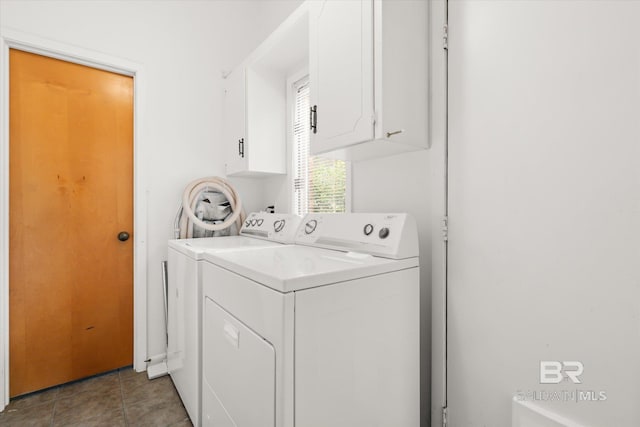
{"type": "Point", "coordinates": [118, 398]}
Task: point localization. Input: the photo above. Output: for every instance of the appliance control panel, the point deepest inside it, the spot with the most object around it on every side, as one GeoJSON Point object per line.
{"type": "Point", "coordinates": [271, 226]}
{"type": "Point", "coordinates": [392, 235]}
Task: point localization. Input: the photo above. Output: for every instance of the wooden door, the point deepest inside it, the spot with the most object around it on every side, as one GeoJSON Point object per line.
{"type": "Point", "coordinates": [341, 73]}
{"type": "Point", "coordinates": [71, 187]}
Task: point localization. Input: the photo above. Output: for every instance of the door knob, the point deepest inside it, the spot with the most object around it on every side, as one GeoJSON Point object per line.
{"type": "Point", "coordinates": [123, 236]}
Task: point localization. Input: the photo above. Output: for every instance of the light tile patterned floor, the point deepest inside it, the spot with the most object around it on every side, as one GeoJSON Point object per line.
{"type": "Point", "coordinates": [118, 398]}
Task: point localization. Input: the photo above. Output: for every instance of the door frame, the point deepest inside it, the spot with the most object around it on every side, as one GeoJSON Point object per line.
{"type": "Point", "coordinates": [11, 39]}
{"type": "Point", "coordinates": [439, 103]}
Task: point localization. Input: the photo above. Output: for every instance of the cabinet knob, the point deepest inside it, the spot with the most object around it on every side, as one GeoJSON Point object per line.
{"type": "Point", "coordinates": [123, 236]}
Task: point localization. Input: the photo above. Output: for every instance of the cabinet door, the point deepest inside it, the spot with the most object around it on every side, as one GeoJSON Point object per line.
{"type": "Point", "coordinates": [266, 120]}
{"type": "Point", "coordinates": [234, 134]}
{"type": "Point", "coordinates": [341, 73]}
{"type": "Point", "coordinates": [402, 70]}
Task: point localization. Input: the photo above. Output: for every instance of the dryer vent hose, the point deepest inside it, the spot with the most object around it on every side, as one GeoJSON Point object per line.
{"type": "Point", "coordinates": [190, 199]}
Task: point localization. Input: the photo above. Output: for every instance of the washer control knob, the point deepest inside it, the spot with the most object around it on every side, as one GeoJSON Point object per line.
{"type": "Point", "coordinates": [278, 225]}
{"type": "Point", "coordinates": [384, 233]}
{"type": "Point", "coordinates": [310, 226]}
{"type": "Point", "coordinates": [247, 223]}
{"type": "Point", "coordinates": [253, 222]}
{"type": "Point", "coordinates": [259, 222]}
{"type": "Point", "coordinates": [368, 229]}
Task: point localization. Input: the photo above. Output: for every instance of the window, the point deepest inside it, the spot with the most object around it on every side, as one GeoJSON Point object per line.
{"type": "Point", "coordinates": [319, 184]}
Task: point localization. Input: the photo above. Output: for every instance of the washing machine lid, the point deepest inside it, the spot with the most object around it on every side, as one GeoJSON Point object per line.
{"type": "Point", "coordinates": [195, 248]}
{"type": "Point", "coordinates": [288, 268]}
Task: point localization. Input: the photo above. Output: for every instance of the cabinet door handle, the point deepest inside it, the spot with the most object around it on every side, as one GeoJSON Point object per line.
{"type": "Point", "coordinates": [390, 134]}
{"type": "Point", "coordinates": [314, 119]}
{"type": "Point", "coordinates": [241, 147]}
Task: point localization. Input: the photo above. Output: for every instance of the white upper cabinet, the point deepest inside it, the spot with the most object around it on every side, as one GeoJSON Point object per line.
{"type": "Point", "coordinates": [254, 132]}
{"type": "Point", "coordinates": [368, 70]}
{"type": "Point", "coordinates": [234, 129]}
{"type": "Point", "coordinates": [341, 73]}
{"type": "Point", "coordinates": [255, 100]}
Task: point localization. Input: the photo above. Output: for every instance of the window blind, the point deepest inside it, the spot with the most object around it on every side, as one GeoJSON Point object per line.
{"type": "Point", "coordinates": [319, 184]}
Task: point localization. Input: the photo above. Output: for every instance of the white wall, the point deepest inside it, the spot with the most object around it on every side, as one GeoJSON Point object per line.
{"type": "Point", "coordinates": [544, 240]}
{"type": "Point", "coordinates": [184, 46]}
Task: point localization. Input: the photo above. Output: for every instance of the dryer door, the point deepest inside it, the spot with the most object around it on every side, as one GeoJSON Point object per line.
{"type": "Point", "coordinates": [239, 369]}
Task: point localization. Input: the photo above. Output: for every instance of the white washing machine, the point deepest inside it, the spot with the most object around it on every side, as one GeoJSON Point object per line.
{"type": "Point", "coordinates": [317, 334]}
{"type": "Point", "coordinates": [184, 296]}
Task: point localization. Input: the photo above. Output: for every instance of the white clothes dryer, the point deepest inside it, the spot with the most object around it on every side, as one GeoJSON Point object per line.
{"type": "Point", "coordinates": [321, 333]}
{"type": "Point", "coordinates": [184, 296]}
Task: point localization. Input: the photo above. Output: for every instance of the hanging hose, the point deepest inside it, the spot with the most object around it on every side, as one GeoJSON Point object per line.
{"type": "Point", "coordinates": [190, 198]}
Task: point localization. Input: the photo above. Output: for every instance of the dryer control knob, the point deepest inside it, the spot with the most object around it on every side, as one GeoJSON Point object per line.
{"type": "Point", "coordinates": [310, 226]}
{"type": "Point", "coordinates": [384, 233]}
{"type": "Point", "coordinates": [368, 229]}
{"type": "Point", "coordinates": [278, 225]}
